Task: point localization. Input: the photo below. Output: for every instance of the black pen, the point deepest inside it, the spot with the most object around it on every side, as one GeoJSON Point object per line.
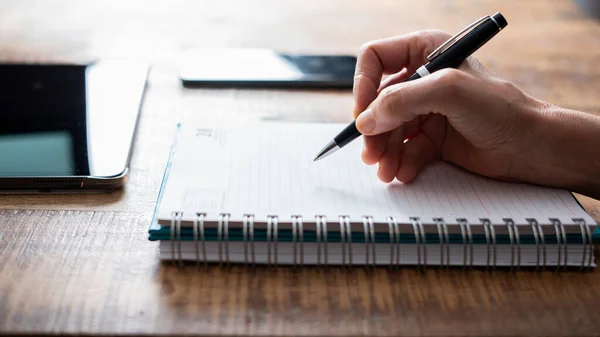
{"type": "Point", "coordinates": [449, 55]}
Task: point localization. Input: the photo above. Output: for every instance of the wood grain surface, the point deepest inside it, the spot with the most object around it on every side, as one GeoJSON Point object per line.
{"type": "Point", "coordinates": [82, 264]}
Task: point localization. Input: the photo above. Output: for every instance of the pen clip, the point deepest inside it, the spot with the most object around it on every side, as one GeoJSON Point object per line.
{"type": "Point", "coordinates": [453, 39]}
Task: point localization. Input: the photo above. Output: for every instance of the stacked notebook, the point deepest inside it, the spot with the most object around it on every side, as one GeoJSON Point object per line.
{"type": "Point", "coordinates": [252, 195]}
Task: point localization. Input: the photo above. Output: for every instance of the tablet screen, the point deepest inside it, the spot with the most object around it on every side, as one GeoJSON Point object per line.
{"type": "Point", "coordinates": [67, 120]}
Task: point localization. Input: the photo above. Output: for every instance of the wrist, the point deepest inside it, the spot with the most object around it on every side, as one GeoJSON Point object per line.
{"type": "Point", "coordinates": [565, 149]}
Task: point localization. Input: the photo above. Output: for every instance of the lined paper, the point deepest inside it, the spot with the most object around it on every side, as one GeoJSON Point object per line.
{"type": "Point", "coordinates": [267, 169]}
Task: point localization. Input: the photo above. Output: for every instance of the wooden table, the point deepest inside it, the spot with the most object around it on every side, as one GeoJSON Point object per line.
{"type": "Point", "coordinates": [83, 264]}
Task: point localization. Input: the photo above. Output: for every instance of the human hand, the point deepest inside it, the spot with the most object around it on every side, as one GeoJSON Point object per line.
{"type": "Point", "coordinates": [466, 116]}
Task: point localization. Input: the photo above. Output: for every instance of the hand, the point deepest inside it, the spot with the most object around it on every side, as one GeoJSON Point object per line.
{"type": "Point", "coordinates": [465, 116]}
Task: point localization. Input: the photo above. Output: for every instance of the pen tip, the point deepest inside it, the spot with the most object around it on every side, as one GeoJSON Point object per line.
{"type": "Point", "coordinates": [316, 158]}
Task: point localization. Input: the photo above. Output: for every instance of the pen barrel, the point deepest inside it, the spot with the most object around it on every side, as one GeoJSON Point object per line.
{"type": "Point", "coordinates": [347, 135]}
{"type": "Point", "coordinates": [454, 56]}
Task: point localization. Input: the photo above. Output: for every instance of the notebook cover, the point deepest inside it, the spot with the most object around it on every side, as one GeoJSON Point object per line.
{"type": "Point", "coordinates": [154, 226]}
{"type": "Point", "coordinates": [158, 232]}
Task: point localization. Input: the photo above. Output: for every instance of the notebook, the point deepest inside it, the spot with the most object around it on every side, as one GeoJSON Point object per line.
{"type": "Point", "coordinates": [251, 194]}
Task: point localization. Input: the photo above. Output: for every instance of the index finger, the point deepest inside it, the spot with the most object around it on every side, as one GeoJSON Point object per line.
{"type": "Point", "coordinates": [387, 56]}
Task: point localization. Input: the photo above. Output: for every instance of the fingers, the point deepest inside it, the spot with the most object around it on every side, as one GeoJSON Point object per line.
{"type": "Point", "coordinates": [393, 79]}
{"type": "Point", "coordinates": [390, 56]}
{"type": "Point", "coordinates": [374, 147]}
{"type": "Point", "coordinates": [390, 160]}
{"type": "Point", "coordinates": [418, 152]}
{"type": "Point", "coordinates": [443, 92]}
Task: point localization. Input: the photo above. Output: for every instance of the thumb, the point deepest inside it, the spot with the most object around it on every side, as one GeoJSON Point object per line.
{"type": "Point", "coordinates": [439, 92]}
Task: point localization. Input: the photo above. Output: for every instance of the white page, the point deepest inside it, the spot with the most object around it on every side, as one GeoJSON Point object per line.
{"type": "Point", "coordinates": [267, 169]}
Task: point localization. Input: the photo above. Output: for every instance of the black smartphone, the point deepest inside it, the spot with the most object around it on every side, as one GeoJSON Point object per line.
{"type": "Point", "coordinates": [68, 127]}
{"type": "Point", "coordinates": [264, 68]}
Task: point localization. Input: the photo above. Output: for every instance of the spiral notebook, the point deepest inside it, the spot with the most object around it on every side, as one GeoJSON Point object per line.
{"type": "Point", "coordinates": [251, 194]}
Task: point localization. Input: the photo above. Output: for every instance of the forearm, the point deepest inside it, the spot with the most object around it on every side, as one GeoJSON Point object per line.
{"type": "Point", "coordinates": [568, 152]}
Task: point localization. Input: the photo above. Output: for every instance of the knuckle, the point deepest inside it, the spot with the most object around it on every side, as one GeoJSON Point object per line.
{"type": "Point", "coordinates": [365, 47]}
{"type": "Point", "coordinates": [424, 42]}
{"type": "Point", "coordinates": [450, 81]}
{"type": "Point", "coordinates": [512, 93]}
{"type": "Point", "coordinates": [429, 40]}
{"type": "Point", "coordinates": [438, 35]}
{"type": "Point", "coordinates": [389, 99]}
{"type": "Point", "coordinates": [506, 86]}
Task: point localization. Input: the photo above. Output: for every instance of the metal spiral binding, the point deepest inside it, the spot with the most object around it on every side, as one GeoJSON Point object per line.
{"type": "Point", "coordinates": [373, 245]}
{"type": "Point", "coordinates": [511, 236]}
{"type": "Point", "coordinates": [178, 232]}
{"type": "Point", "coordinates": [561, 238]}
{"type": "Point", "coordinates": [366, 231]}
{"type": "Point", "coordinates": [464, 241]}
{"type": "Point", "coordinates": [439, 222]}
{"type": "Point", "coordinates": [418, 242]}
{"type": "Point", "coordinates": [175, 233]}
{"type": "Point", "coordinates": [245, 238]}
{"type": "Point", "coordinates": [318, 229]}
{"type": "Point", "coordinates": [540, 240]}
{"type": "Point", "coordinates": [324, 236]}
{"type": "Point", "coordinates": [590, 244]}
{"type": "Point", "coordinates": [349, 239]}
{"type": "Point", "coordinates": [321, 224]}
{"type": "Point", "coordinates": [298, 232]}
{"type": "Point", "coordinates": [493, 234]}
{"type": "Point", "coordinates": [588, 247]}
{"type": "Point", "coordinates": [583, 242]}
{"type": "Point", "coordinates": [370, 248]}
{"type": "Point", "coordinates": [467, 225]}
{"type": "Point", "coordinates": [395, 258]}
{"type": "Point", "coordinates": [536, 237]}
{"type": "Point", "coordinates": [343, 239]}
{"type": "Point", "coordinates": [294, 241]}
{"type": "Point", "coordinates": [543, 242]}
{"type": "Point", "coordinates": [269, 241]}
{"type": "Point", "coordinates": [565, 245]}
{"type": "Point", "coordinates": [470, 236]}
{"type": "Point", "coordinates": [248, 235]}
{"type": "Point", "coordinates": [518, 241]}
{"type": "Point", "coordinates": [486, 227]}
{"type": "Point", "coordinates": [198, 228]}
{"type": "Point", "coordinates": [276, 238]}
{"type": "Point", "coordinates": [555, 223]}
{"type": "Point", "coordinates": [423, 242]}
{"type": "Point", "coordinates": [251, 227]}
{"type": "Point", "coordinates": [223, 236]}
{"type": "Point", "coordinates": [394, 241]}
{"type": "Point", "coordinates": [172, 234]}
{"type": "Point", "coordinates": [447, 238]}
{"type": "Point", "coordinates": [398, 242]}
{"type": "Point", "coordinates": [272, 238]}
{"type": "Point", "coordinates": [513, 232]}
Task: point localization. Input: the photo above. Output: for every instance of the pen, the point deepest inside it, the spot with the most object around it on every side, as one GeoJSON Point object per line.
{"type": "Point", "coordinates": [449, 55]}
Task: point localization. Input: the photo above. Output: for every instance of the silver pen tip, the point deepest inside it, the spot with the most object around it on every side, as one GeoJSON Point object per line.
{"type": "Point", "coordinates": [330, 148]}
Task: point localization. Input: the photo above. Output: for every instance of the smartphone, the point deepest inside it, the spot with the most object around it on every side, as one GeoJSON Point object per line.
{"type": "Point", "coordinates": [264, 68]}
{"type": "Point", "coordinates": [66, 127]}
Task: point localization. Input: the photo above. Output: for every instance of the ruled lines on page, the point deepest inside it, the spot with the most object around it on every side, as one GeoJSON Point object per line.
{"type": "Point", "coordinates": [268, 169]}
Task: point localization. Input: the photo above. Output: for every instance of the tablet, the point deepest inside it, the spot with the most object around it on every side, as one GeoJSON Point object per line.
{"type": "Point", "coordinates": [68, 127]}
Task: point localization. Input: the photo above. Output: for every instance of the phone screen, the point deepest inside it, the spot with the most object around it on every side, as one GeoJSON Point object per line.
{"type": "Point", "coordinates": [266, 68]}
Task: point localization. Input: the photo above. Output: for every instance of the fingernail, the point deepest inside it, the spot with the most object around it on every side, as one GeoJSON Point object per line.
{"type": "Point", "coordinates": [365, 123]}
